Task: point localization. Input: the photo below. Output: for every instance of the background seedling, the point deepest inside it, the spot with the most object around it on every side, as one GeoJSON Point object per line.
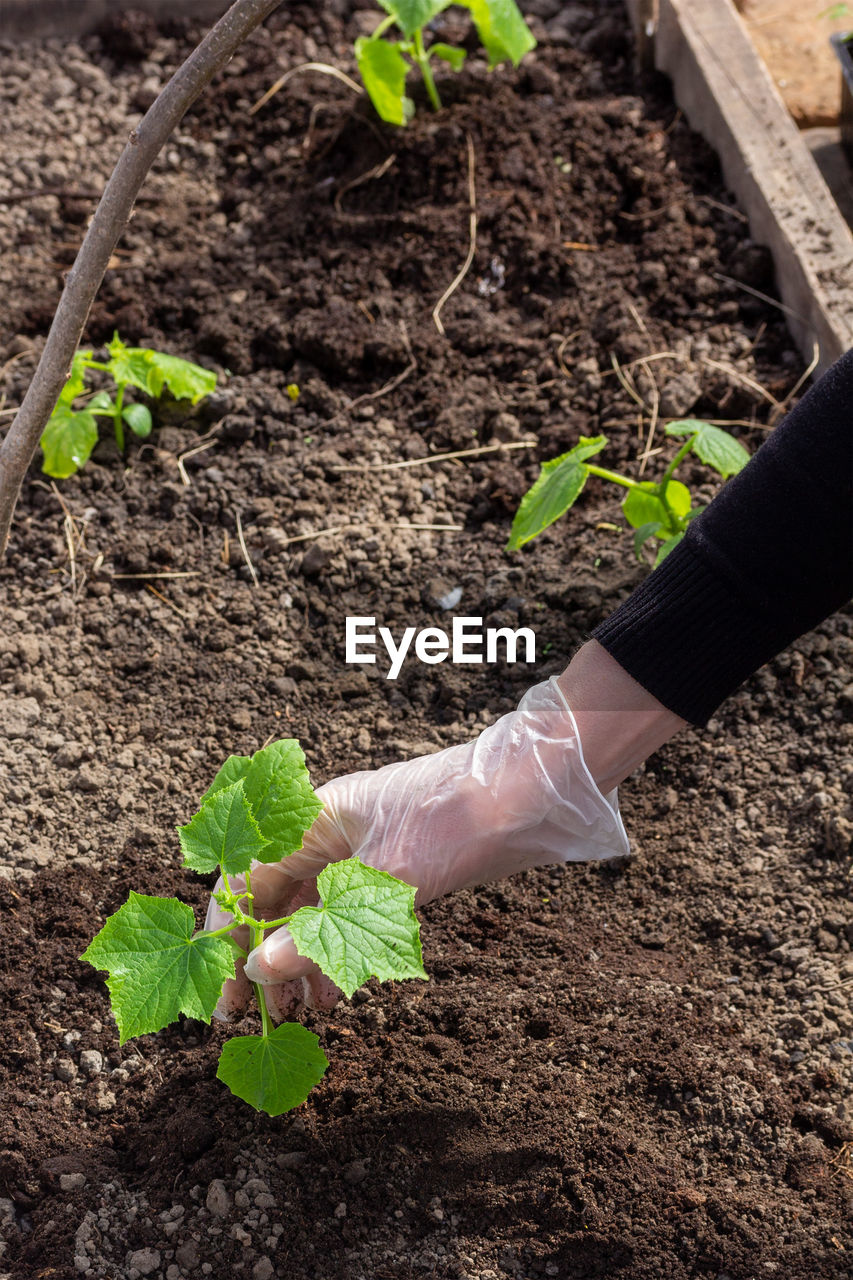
{"type": "Point", "coordinates": [385, 64]}
{"type": "Point", "coordinates": [159, 966]}
{"type": "Point", "coordinates": [72, 433]}
{"type": "Point", "coordinates": [660, 510]}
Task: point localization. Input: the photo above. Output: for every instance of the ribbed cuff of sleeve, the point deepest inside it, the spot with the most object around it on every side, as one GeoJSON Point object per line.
{"type": "Point", "coordinates": [686, 636]}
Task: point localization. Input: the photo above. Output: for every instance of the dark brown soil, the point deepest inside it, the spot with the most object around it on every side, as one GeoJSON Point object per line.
{"type": "Point", "coordinates": [640, 1071]}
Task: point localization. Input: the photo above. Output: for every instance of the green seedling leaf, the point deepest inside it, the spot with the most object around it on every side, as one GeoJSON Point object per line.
{"type": "Point", "coordinates": [678, 498]}
{"type": "Point", "coordinates": [715, 447]}
{"type": "Point", "coordinates": [279, 792]}
{"type": "Point", "coordinates": [669, 545]}
{"type": "Point", "coordinates": [138, 418]}
{"type": "Point", "coordinates": [273, 1073]}
{"type": "Point", "coordinates": [411, 14]}
{"type": "Point", "coordinates": [642, 506]}
{"type": "Point", "coordinates": [383, 70]}
{"type": "Point", "coordinates": [448, 53]}
{"type": "Point", "coordinates": [222, 834]}
{"type": "Point", "coordinates": [76, 382]}
{"type": "Point", "coordinates": [157, 969]}
{"type": "Point", "coordinates": [558, 488]}
{"type": "Point", "coordinates": [67, 441]}
{"type": "Point", "coordinates": [505, 35]}
{"type": "Point", "coordinates": [366, 927]}
{"type": "Point", "coordinates": [101, 403]}
{"type": "Point", "coordinates": [152, 370]}
{"type": "Point", "coordinates": [131, 366]}
{"type": "Point", "coordinates": [185, 380]}
{"type": "Point", "coordinates": [643, 534]}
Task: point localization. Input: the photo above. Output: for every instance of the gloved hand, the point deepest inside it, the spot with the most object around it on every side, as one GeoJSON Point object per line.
{"type": "Point", "coordinates": [520, 795]}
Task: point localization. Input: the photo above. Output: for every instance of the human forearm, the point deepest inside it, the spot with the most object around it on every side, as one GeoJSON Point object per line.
{"type": "Point", "coordinates": [619, 722]}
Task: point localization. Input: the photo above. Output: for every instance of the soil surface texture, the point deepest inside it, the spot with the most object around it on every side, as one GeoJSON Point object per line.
{"type": "Point", "coordinates": [639, 1071]}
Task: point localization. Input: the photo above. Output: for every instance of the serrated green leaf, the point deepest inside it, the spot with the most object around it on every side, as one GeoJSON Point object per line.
{"type": "Point", "coordinates": [273, 1073]}
{"type": "Point", "coordinates": [502, 30]}
{"type": "Point", "coordinates": [279, 791]}
{"type": "Point", "coordinates": [715, 447]}
{"type": "Point", "coordinates": [384, 69]}
{"type": "Point", "coordinates": [666, 547]}
{"type": "Point", "coordinates": [558, 488]}
{"type": "Point", "coordinates": [185, 380]}
{"type": "Point", "coordinates": [222, 834]}
{"type": "Point", "coordinates": [411, 14]}
{"type": "Point", "coordinates": [76, 382]}
{"type": "Point", "coordinates": [157, 970]}
{"type": "Point", "coordinates": [448, 53]}
{"type": "Point", "coordinates": [366, 927]}
{"type": "Point", "coordinates": [131, 366]}
{"type": "Point", "coordinates": [138, 418]}
{"type": "Point", "coordinates": [67, 441]}
{"type": "Point", "coordinates": [152, 370]}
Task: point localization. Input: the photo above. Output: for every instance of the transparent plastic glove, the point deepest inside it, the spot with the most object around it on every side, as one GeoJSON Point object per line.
{"type": "Point", "coordinates": [520, 795]}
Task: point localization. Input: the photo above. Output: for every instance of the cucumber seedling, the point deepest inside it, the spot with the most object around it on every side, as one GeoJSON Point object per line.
{"type": "Point", "coordinates": [72, 433]}
{"type": "Point", "coordinates": [654, 509]}
{"type": "Point", "coordinates": [384, 64]}
{"type": "Point", "coordinates": [159, 966]}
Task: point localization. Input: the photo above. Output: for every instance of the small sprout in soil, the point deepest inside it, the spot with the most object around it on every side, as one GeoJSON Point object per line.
{"type": "Point", "coordinates": [72, 433]}
{"type": "Point", "coordinates": [159, 966]}
{"type": "Point", "coordinates": [660, 510]}
{"type": "Point", "coordinates": [384, 65]}
{"type": "Point", "coordinates": [292, 390]}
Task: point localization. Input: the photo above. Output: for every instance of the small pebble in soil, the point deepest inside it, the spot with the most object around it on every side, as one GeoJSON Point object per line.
{"type": "Point", "coordinates": [72, 1181]}
{"type": "Point", "coordinates": [91, 1063]}
{"type": "Point", "coordinates": [143, 1262]}
{"type": "Point", "coordinates": [218, 1200]}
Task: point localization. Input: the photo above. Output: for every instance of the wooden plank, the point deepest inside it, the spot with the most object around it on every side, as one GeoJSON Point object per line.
{"type": "Point", "coordinates": [727, 94]}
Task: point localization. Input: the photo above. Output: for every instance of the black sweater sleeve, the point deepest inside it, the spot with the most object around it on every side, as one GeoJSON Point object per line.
{"type": "Point", "coordinates": [768, 559]}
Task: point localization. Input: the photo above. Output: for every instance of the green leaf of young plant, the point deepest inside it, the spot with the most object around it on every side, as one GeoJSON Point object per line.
{"type": "Point", "coordinates": [558, 488]}
{"type": "Point", "coordinates": [366, 927]}
{"type": "Point", "coordinates": [643, 506]}
{"type": "Point", "coordinates": [67, 441]}
{"type": "Point", "coordinates": [157, 970]}
{"type": "Point", "coordinates": [643, 534]}
{"type": "Point", "coordinates": [384, 69]}
{"type": "Point", "coordinates": [222, 834]}
{"type": "Point", "coordinates": [678, 498]}
{"type": "Point", "coordinates": [411, 14]}
{"type": "Point", "coordinates": [669, 545]}
{"type": "Point", "coordinates": [279, 792]}
{"type": "Point", "coordinates": [101, 403]}
{"type": "Point", "coordinates": [185, 380]}
{"type": "Point", "coordinates": [448, 53]}
{"type": "Point", "coordinates": [715, 447]}
{"type": "Point", "coordinates": [76, 382]}
{"type": "Point", "coordinates": [138, 418]}
{"type": "Point", "coordinates": [504, 33]}
{"type": "Point", "coordinates": [131, 366]}
{"type": "Point", "coordinates": [152, 370]}
{"type": "Point", "coordinates": [273, 1073]}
